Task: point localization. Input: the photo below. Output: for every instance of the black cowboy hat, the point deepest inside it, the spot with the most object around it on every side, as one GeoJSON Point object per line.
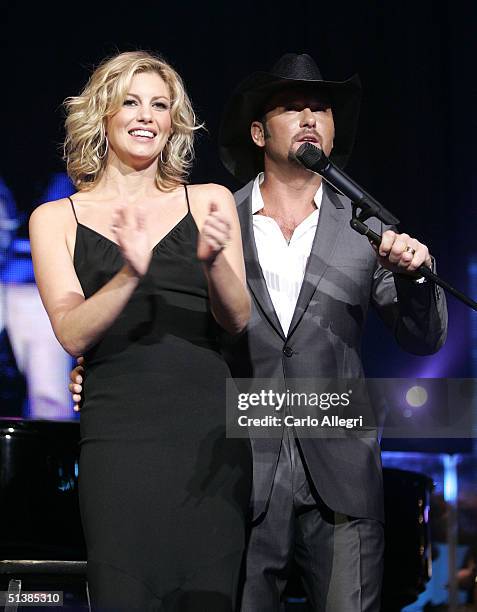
{"type": "Point", "coordinates": [236, 149]}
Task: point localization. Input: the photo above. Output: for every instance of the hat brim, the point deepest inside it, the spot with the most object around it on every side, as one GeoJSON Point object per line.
{"type": "Point", "coordinates": [242, 158]}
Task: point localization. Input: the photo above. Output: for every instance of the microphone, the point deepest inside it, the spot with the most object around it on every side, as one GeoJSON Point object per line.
{"type": "Point", "coordinates": [313, 158]}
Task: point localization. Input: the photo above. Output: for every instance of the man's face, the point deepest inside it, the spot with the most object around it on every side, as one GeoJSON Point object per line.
{"type": "Point", "coordinates": [291, 118]}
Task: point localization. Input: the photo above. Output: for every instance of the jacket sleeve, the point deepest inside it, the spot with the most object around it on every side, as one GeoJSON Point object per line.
{"type": "Point", "coordinates": [415, 311]}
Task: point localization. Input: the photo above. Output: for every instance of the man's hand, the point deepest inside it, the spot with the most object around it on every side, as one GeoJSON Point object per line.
{"type": "Point", "coordinates": [402, 254]}
{"type": "Point", "coordinates": [75, 387]}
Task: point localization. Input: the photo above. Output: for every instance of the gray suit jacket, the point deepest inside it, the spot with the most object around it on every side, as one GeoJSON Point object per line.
{"type": "Point", "coordinates": [342, 278]}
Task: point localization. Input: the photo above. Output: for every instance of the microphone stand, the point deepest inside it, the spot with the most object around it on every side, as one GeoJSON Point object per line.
{"type": "Point", "coordinates": [313, 158]}
{"type": "Point", "coordinates": [357, 223]}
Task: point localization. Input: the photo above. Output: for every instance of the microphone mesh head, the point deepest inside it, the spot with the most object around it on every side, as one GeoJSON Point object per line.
{"type": "Point", "coordinates": [311, 157]}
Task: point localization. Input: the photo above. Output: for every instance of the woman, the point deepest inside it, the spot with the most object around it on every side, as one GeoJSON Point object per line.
{"type": "Point", "coordinates": [139, 272]}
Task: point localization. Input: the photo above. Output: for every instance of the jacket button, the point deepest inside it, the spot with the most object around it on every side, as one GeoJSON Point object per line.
{"type": "Point", "coordinates": [288, 351]}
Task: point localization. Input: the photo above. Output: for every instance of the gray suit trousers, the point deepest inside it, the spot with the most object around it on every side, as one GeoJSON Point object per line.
{"type": "Point", "coordinates": [340, 557]}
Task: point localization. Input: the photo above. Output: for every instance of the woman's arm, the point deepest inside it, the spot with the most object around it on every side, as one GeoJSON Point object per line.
{"type": "Point", "coordinates": [79, 323]}
{"type": "Point", "coordinates": [220, 250]}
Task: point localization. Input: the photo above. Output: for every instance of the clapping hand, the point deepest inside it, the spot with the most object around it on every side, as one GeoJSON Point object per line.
{"type": "Point", "coordinates": [215, 235]}
{"type": "Point", "coordinates": [129, 229]}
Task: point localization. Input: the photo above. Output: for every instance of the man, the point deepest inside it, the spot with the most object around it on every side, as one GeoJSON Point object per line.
{"type": "Point", "coordinates": [316, 501]}
{"type": "Point", "coordinates": [312, 278]}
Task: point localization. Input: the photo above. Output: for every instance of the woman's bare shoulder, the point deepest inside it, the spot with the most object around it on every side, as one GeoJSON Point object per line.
{"type": "Point", "coordinates": [56, 211]}
{"type": "Point", "coordinates": [207, 192]}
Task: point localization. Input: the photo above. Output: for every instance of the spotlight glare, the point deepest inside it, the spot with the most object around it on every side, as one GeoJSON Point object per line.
{"type": "Point", "coordinates": [416, 396]}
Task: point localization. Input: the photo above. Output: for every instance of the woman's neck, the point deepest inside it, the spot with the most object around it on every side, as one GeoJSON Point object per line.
{"type": "Point", "coordinates": [126, 183]}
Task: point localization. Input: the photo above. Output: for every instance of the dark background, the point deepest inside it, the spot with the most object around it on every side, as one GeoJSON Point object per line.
{"type": "Point", "coordinates": [414, 150]}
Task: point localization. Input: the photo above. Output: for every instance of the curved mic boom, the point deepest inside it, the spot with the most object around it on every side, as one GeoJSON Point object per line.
{"type": "Point", "coordinates": [313, 158]}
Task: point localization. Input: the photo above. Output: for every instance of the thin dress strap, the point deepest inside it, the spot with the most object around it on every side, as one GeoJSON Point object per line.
{"type": "Point", "coordinates": [73, 207]}
{"type": "Point", "coordinates": [187, 197]}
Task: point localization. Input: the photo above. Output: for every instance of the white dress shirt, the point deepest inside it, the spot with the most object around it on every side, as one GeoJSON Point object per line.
{"type": "Point", "coordinates": [283, 263]}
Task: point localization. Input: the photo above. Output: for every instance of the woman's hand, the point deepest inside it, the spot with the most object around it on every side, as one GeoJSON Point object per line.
{"type": "Point", "coordinates": [215, 235]}
{"type": "Point", "coordinates": [219, 248]}
{"type": "Point", "coordinates": [129, 228]}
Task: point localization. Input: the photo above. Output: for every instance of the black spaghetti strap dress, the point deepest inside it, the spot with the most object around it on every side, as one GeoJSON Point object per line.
{"type": "Point", "coordinates": [164, 495]}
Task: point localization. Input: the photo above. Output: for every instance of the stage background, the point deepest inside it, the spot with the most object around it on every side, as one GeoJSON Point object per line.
{"type": "Point", "coordinates": [414, 152]}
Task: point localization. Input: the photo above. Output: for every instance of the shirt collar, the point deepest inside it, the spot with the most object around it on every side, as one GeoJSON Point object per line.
{"type": "Point", "coordinates": [257, 200]}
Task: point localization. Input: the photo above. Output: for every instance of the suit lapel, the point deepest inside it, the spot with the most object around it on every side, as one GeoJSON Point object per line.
{"type": "Point", "coordinates": [255, 278]}
{"type": "Point", "coordinates": [330, 223]}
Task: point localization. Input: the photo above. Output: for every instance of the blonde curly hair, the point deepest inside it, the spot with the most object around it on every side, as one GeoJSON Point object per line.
{"type": "Point", "coordinates": [85, 147]}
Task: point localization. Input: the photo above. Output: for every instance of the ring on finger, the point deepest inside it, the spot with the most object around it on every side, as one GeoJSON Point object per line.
{"type": "Point", "coordinates": [409, 249]}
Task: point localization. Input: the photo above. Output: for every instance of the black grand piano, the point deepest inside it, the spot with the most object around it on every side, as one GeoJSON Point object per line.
{"type": "Point", "coordinates": [41, 539]}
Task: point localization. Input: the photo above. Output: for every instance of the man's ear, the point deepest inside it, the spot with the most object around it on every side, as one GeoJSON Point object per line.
{"type": "Point", "coordinates": [258, 134]}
